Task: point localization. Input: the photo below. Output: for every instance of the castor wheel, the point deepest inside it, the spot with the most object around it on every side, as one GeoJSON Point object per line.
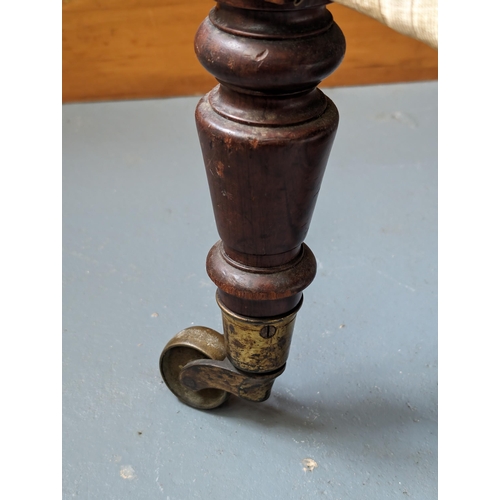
{"type": "Point", "coordinates": [193, 343]}
{"type": "Point", "coordinates": [202, 367]}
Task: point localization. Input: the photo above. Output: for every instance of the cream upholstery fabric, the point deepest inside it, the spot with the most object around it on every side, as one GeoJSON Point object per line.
{"type": "Point", "coordinates": [415, 18]}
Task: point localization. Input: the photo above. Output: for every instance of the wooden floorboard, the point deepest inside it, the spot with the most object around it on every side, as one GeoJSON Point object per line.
{"type": "Point", "coordinates": [135, 49]}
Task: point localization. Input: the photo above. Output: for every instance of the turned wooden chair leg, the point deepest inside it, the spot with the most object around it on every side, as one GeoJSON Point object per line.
{"type": "Point", "coordinates": [266, 132]}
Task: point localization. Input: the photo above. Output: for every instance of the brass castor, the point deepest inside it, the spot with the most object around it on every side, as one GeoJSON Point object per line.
{"type": "Point", "coordinates": [191, 344]}
{"type": "Point", "coordinates": [201, 367]}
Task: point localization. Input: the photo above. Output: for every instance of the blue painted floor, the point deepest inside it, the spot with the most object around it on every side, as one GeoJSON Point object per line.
{"type": "Point", "coordinates": [354, 416]}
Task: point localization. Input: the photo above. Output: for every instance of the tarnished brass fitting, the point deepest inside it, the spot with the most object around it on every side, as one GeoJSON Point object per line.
{"type": "Point", "coordinates": [257, 345]}
{"type": "Point", "coordinates": [201, 366]}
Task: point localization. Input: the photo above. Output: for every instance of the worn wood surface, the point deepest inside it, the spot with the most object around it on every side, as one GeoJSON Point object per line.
{"type": "Point", "coordinates": [132, 49]}
{"type": "Point", "coordinates": [266, 133]}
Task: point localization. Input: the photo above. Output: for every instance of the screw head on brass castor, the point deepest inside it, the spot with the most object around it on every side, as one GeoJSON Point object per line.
{"type": "Point", "coordinates": [267, 331]}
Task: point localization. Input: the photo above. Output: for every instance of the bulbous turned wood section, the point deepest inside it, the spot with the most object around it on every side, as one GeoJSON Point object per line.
{"type": "Point", "coordinates": [266, 133]}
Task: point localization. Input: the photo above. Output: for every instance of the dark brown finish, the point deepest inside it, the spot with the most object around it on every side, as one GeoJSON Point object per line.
{"type": "Point", "coordinates": [265, 132]}
{"type": "Point", "coordinates": [261, 291]}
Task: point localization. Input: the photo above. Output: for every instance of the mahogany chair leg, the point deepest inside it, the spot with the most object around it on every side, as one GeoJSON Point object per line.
{"type": "Point", "coordinates": [266, 133]}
